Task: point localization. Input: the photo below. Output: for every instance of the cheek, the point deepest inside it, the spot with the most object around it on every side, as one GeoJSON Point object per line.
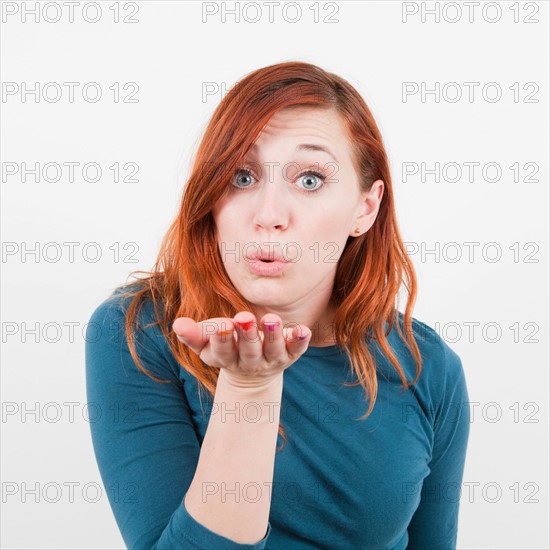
{"type": "Point", "coordinates": [327, 246]}
{"type": "Point", "coordinates": [229, 215]}
{"type": "Point", "coordinates": [225, 220]}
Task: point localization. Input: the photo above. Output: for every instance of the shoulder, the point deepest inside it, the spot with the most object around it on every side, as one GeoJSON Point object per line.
{"type": "Point", "coordinates": [115, 308]}
{"type": "Point", "coordinates": [441, 365]}
{"type": "Point", "coordinates": [441, 386]}
{"type": "Point", "coordinates": [437, 351]}
{"type": "Point", "coordinates": [108, 310]}
{"type": "Point", "coordinates": [109, 316]}
{"type": "Point", "coordinates": [106, 329]}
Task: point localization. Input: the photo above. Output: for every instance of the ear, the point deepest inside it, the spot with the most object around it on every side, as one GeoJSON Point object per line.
{"type": "Point", "coordinates": [368, 209]}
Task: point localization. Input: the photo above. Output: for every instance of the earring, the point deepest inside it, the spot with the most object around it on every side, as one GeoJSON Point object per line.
{"type": "Point", "coordinates": [357, 230]}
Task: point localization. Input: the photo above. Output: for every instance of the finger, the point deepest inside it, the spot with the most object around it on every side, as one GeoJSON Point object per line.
{"type": "Point", "coordinates": [197, 335]}
{"type": "Point", "coordinates": [224, 345]}
{"type": "Point", "coordinates": [189, 333]}
{"type": "Point", "coordinates": [273, 341]}
{"type": "Point", "coordinates": [297, 340]}
{"type": "Point", "coordinates": [249, 341]}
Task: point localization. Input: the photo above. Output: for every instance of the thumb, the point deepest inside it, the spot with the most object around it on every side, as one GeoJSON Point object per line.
{"type": "Point", "coordinates": [197, 335]}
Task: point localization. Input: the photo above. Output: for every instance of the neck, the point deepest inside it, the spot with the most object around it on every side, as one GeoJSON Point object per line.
{"type": "Point", "coordinates": [321, 326]}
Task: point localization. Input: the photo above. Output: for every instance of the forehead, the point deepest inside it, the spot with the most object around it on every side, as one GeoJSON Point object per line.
{"type": "Point", "coordinates": [293, 125]}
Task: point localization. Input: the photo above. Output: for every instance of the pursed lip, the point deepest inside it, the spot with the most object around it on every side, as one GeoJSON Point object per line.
{"type": "Point", "coordinates": [266, 269]}
{"type": "Point", "coordinates": [266, 255]}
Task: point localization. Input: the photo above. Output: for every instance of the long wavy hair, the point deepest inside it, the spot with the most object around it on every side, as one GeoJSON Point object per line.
{"type": "Point", "coordinates": [189, 278]}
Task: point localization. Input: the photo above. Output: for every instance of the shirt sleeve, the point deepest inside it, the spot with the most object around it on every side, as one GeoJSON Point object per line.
{"type": "Point", "coordinates": [143, 437]}
{"type": "Point", "coordinates": [434, 524]}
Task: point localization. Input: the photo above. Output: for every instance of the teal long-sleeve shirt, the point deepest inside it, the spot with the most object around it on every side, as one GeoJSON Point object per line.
{"type": "Point", "coordinates": [389, 482]}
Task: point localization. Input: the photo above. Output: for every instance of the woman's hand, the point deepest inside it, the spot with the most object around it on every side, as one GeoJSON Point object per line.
{"type": "Point", "coordinates": [249, 358]}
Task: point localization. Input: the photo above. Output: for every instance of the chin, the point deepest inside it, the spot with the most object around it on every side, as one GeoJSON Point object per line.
{"type": "Point", "coordinates": [265, 298]}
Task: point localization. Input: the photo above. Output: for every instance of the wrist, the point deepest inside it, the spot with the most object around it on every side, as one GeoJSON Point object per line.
{"type": "Point", "coordinates": [248, 387]}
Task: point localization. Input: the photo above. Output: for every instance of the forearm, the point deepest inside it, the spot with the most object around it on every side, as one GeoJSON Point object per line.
{"type": "Point", "coordinates": [238, 449]}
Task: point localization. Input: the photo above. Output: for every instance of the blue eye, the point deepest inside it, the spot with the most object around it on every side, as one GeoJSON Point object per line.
{"type": "Point", "coordinates": [309, 174]}
{"type": "Point", "coordinates": [243, 173]}
{"type": "Point", "coordinates": [240, 174]}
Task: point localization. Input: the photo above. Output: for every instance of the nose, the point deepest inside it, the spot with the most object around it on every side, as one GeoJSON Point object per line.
{"type": "Point", "coordinates": [272, 209]}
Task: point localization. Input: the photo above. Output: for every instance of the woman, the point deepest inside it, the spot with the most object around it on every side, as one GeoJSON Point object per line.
{"type": "Point", "coordinates": [276, 291]}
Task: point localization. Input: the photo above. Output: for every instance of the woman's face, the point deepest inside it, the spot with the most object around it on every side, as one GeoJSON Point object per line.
{"type": "Point", "coordinates": [282, 208]}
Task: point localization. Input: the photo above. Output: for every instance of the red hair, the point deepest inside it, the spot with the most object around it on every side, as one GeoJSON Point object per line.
{"type": "Point", "coordinates": [189, 278]}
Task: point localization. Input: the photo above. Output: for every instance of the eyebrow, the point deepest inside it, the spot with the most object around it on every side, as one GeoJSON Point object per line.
{"type": "Point", "coordinates": [308, 147]}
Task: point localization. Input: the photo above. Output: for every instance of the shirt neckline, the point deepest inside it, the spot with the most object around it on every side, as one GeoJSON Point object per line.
{"type": "Point", "coordinates": [316, 351]}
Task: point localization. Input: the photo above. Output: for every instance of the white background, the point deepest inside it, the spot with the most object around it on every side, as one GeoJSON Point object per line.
{"type": "Point", "coordinates": [170, 52]}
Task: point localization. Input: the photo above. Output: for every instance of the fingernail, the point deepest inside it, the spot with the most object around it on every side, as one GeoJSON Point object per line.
{"type": "Point", "coordinates": [245, 325]}
{"type": "Point", "coordinates": [271, 325]}
{"type": "Point", "coordinates": [304, 337]}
